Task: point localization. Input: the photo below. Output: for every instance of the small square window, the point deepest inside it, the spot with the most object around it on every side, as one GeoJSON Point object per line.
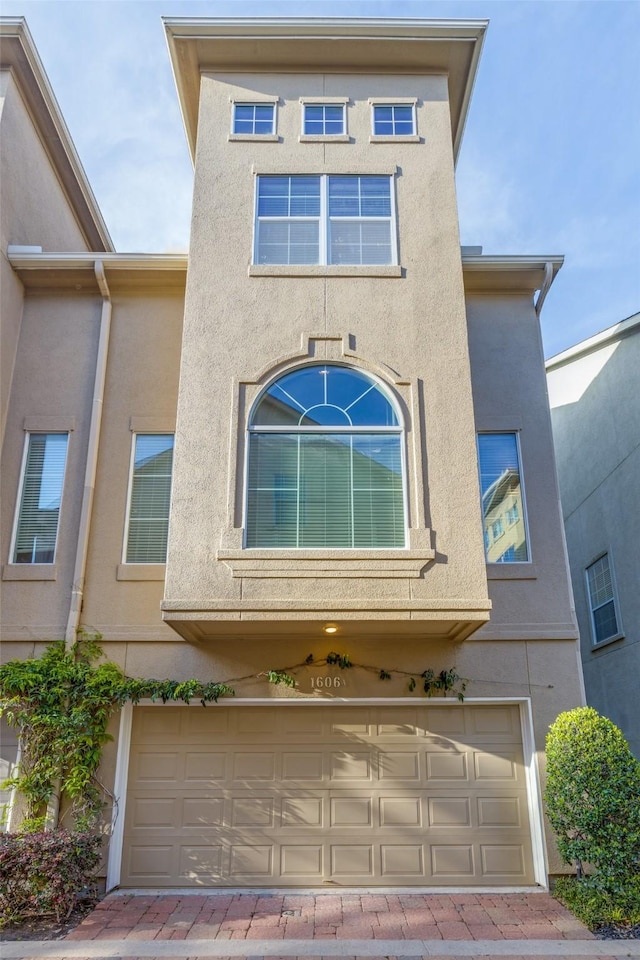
{"type": "Point", "coordinates": [254, 118]}
{"type": "Point", "coordinates": [393, 120]}
{"type": "Point", "coordinates": [323, 119]}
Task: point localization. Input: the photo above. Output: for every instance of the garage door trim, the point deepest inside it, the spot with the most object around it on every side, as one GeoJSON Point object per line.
{"type": "Point", "coordinates": [534, 801]}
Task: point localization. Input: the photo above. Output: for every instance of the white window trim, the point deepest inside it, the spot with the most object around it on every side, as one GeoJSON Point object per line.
{"type": "Point", "coordinates": [261, 101]}
{"type": "Point", "coordinates": [598, 644]}
{"type": "Point", "coordinates": [324, 137]}
{"type": "Point", "coordinates": [16, 515]}
{"type": "Point", "coordinates": [324, 224]}
{"type": "Point", "coordinates": [132, 565]}
{"type": "Point", "coordinates": [401, 429]}
{"type": "Point", "coordinates": [391, 102]}
{"type": "Point", "coordinates": [511, 564]}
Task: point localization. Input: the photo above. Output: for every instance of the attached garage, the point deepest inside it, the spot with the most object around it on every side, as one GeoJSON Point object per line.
{"type": "Point", "coordinates": [362, 795]}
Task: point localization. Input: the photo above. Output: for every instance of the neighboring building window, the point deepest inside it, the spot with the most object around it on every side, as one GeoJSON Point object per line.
{"type": "Point", "coordinates": [36, 529]}
{"type": "Point", "coordinates": [254, 118]}
{"type": "Point", "coordinates": [325, 463]}
{"type": "Point", "coordinates": [501, 491]}
{"type": "Point", "coordinates": [325, 220]}
{"type": "Point", "coordinates": [323, 119]}
{"type": "Point", "coordinates": [393, 120]}
{"type": "Point", "coordinates": [604, 619]}
{"type": "Point", "coordinates": [149, 499]}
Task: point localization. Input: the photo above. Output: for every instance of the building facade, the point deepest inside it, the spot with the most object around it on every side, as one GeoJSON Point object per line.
{"type": "Point", "coordinates": [328, 437]}
{"type": "Point", "coordinates": [595, 413]}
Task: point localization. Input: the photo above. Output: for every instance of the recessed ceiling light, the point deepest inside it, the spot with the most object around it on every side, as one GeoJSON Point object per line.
{"type": "Point", "coordinates": [330, 628]}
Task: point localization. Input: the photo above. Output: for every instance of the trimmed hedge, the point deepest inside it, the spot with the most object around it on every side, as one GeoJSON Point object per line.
{"type": "Point", "coordinates": [41, 874]}
{"type": "Point", "coordinates": [593, 796]}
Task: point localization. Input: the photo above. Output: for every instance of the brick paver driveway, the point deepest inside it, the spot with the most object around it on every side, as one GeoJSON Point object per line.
{"type": "Point", "coordinates": [246, 916]}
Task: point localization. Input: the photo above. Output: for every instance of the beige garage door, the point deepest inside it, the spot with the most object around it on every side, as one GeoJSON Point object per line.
{"type": "Point", "coordinates": [301, 796]}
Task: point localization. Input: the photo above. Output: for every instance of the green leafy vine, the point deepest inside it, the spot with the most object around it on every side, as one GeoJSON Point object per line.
{"type": "Point", "coordinates": [61, 704]}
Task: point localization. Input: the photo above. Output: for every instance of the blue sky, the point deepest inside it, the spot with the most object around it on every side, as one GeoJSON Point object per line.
{"type": "Point", "coordinates": [549, 162]}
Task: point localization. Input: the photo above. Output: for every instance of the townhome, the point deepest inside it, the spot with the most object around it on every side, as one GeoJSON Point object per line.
{"type": "Point", "coordinates": [319, 445]}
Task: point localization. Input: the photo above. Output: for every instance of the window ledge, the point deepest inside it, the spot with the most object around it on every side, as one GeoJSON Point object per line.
{"type": "Point", "coordinates": [356, 564]}
{"type": "Point", "coordinates": [323, 270]}
{"type": "Point", "coordinates": [140, 571]}
{"type": "Point", "coordinates": [265, 137]}
{"type": "Point", "coordinates": [403, 138]}
{"type": "Point", "coordinates": [30, 571]}
{"type": "Point", "coordinates": [324, 138]}
{"type": "Point", "coordinates": [605, 643]}
{"type": "Point", "coordinates": [518, 570]}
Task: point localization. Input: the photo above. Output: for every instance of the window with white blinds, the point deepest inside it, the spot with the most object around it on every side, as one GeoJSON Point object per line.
{"type": "Point", "coordinates": [325, 463]}
{"type": "Point", "coordinates": [602, 600]}
{"type": "Point", "coordinates": [325, 220]}
{"type": "Point", "coordinates": [149, 499]}
{"type": "Point", "coordinates": [36, 530]}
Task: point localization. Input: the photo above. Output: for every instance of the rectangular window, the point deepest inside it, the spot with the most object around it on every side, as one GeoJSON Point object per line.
{"type": "Point", "coordinates": [393, 120]}
{"type": "Point", "coordinates": [502, 498]}
{"type": "Point", "coordinates": [36, 529]}
{"type": "Point", "coordinates": [325, 220]}
{"type": "Point", "coordinates": [604, 618]}
{"type": "Point", "coordinates": [323, 119]}
{"type": "Point", "coordinates": [254, 118]}
{"type": "Point", "coordinates": [149, 499]}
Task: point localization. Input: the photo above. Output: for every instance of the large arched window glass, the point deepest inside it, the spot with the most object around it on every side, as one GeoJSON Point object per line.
{"type": "Point", "coordinates": [325, 463]}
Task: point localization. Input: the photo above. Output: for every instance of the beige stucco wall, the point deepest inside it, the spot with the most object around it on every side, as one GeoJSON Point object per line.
{"type": "Point", "coordinates": [52, 389]}
{"type": "Point", "coordinates": [411, 328]}
{"type": "Point", "coordinates": [509, 391]}
{"type": "Point", "coordinates": [34, 210]}
{"type": "Point", "coordinates": [140, 395]}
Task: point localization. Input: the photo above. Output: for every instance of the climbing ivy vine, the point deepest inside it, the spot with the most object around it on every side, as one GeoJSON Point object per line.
{"type": "Point", "coordinates": [61, 704]}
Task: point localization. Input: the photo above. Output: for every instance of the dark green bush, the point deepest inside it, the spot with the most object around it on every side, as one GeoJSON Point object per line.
{"type": "Point", "coordinates": [597, 907]}
{"type": "Point", "coordinates": [593, 796]}
{"type": "Point", "coordinates": [41, 874]}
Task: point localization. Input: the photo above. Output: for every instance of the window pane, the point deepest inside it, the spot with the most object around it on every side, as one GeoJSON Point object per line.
{"type": "Point", "coordinates": [307, 395]}
{"type": "Point", "coordinates": [360, 242]}
{"type": "Point", "coordinates": [323, 490]}
{"type": "Point", "coordinates": [37, 527]}
{"type": "Point", "coordinates": [288, 242]}
{"type": "Point", "coordinates": [253, 118]}
{"type": "Point", "coordinates": [603, 608]}
{"type": "Point", "coordinates": [502, 503]}
{"type": "Point", "coordinates": [150, 499]}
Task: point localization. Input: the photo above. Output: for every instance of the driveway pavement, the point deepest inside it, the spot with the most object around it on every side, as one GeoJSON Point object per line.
{"type": "Point", "coordinates": [377, 926]}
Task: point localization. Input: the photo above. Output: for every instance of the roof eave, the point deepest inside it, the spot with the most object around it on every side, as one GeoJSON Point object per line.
{"type": "Point", "coordinates": [19, 54]}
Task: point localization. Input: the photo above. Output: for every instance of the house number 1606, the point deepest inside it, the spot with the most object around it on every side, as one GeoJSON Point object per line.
{"type": "Point", "coordinates": [328, 682]}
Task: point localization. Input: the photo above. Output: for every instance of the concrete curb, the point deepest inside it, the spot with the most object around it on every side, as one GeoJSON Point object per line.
{"type": "Point", "coordinates": [94, 949]}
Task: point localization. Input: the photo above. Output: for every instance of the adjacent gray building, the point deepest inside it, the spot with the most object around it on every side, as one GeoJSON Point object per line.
{"type": "Point", "coordinates": [594, 392]}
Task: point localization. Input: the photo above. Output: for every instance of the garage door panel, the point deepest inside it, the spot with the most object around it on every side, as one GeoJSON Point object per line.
{"type": "Point", "coordinates": [375, 796]}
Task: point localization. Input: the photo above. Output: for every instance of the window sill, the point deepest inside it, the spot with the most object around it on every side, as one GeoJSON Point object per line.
{"type": "Point", "coordinates": [324, 138]}
{"type": "Point", "coordinates": [356, 564]}
{"type": "Point", "coordinates": [404, 138]}
{"type": "Point", "coordinates": [30, 571]}
{"type": "Point", "coordinates": [323, 270]}
{"type": "Point", "coordinates": [140, 571]}
{"type": "Point", "coordinates": [605, 643]}
{"type": "Point", "coordinates": [519, 570]}
{"type": "Point", "coordinates": [253, 137]}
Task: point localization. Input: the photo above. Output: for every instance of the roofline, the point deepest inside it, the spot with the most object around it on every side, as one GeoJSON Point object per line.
{"type": "Point", "coordinates": [511, 262]}
{"type": "Point", "coordinates": [110, 261]}
{"type": "Point", "coordinates": [331, 28]}
{"type": "Point", "coordinates": [602, 339]}
{"type": "Point", "coordinates": [27, 68]}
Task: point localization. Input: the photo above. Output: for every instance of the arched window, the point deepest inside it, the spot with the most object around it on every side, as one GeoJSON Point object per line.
{"type": "Point", "coordinates": [325, 463]}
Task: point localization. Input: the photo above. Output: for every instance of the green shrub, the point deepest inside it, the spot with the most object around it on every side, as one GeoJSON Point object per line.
{"type": "Point", "coordinates": [41, 874]}
{"type": "Point", "coordinates": [597, 907]}
{"type": "Point", "coordinates": [593, 796]}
